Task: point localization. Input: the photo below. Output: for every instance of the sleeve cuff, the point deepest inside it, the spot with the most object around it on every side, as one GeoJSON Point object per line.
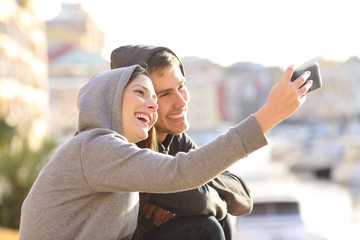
{"type": "Point", "coordinates": [251, 134]}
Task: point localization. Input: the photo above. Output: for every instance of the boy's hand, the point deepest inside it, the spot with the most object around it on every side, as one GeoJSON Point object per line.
{"type": "Point", "coordinates": [161, 216]}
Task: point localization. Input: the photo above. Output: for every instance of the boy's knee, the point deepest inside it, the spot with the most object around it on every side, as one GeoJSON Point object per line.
{"type": "Point", "coordinates": [211, 228]}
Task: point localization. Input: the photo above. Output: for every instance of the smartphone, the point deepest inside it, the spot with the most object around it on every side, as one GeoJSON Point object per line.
{"type": "Point", "coordinates": [314, 68]}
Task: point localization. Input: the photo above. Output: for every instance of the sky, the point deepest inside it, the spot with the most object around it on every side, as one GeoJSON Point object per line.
{"type": "Point", "coordinates": [271, 33]}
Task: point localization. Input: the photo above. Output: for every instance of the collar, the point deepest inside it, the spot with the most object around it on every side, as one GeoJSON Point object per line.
{"type": "Point", "coordinates": [165, 145]}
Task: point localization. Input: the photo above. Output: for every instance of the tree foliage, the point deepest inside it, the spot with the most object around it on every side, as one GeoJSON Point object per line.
{"type": "Point", "coordinates": [19, 167]}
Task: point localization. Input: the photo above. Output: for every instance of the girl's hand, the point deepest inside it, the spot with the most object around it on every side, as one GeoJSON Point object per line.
{"type": "Point", "coordinates": [284, 99]}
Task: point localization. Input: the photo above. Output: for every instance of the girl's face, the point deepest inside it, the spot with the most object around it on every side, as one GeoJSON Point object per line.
{"type": "Point", "coordinates": [139, 107]}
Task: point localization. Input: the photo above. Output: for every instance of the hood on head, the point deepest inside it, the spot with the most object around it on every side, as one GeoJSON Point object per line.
{"type": "Point", "coordinates": [99, 101]}
{"type": "Point", "coordinates": [136, 54]}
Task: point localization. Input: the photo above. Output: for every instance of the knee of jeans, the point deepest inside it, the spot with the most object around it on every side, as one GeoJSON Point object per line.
{"type": "Point", "coordinates": [213, 225]}
{"type": "Point", "coordinates": [211, 220]}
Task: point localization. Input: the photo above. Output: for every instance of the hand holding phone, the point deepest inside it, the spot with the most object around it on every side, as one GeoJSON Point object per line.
{"type": "Point", "coordinates": [314, 68]}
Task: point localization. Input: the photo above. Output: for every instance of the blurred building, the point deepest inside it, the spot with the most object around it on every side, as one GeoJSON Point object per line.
{"type": "Point", "coordinates": [247, 86]}
{"type": "Point", "coordinates": [202, 82]}
{"type": "Point", "coordinates": [338, 100]}
{"type": "Point", "coordinates": [73, 27]}
{"type": "Point", "coordinates": [23, 70]}
{"type": "Point", "coordinates": [74, 51]}
{"type": "Point", "coordinates": [222, 96]}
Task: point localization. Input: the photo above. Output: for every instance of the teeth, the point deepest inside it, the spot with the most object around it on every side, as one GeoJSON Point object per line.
{"type": "Point", "coordinates": [143, 116]}
{"type": "Point", "coordinates": [176, 116]}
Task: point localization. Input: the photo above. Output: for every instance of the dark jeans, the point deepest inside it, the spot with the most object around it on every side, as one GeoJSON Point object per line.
{"type": "Point", "coordinates": [192, 228]}
{"type": "Point", "coordinates": [227, 227]}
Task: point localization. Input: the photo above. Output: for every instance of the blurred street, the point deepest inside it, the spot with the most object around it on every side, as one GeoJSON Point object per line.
{"type": "Point", "coordinates": [295, 206]}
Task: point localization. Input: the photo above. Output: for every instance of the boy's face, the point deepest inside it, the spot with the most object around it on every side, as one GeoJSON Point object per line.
{"type": "Point", "coordinates": [173, 98]}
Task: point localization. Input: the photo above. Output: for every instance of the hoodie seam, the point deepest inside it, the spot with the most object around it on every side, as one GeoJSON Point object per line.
{"type": "Point", "coordinates": [82, 165]}
{"type": "Point", "coordinates": [121, 100]}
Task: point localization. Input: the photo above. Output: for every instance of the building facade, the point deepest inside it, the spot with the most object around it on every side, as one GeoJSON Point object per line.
{"type": "Point", "coordinates": [74, 51]}
{"type": "Point", "coordinates": [23, 70]}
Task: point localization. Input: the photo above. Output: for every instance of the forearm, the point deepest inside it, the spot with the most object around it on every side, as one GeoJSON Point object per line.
{"type": "Point", "coordinates": [235, 193]}
{"type": "Point", "coordinates": [266, 119]}
{"type": "Point", "coordinates": [200, 201]}
{"type": "Point", "coordinates": [158, 173]}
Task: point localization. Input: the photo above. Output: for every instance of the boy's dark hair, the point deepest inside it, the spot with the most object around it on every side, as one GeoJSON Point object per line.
{"type": "Point", "coordinates": [125, 56]}
{"type": "Point", "coordinates": [161, 61]}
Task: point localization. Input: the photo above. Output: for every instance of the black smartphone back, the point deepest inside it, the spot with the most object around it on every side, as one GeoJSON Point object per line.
{"type": "Point", "coordinates": [314, 68]}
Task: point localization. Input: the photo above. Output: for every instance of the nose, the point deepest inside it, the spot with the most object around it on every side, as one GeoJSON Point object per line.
{"type": "Point", "coordinates": [181, 99]}
{"type": "Point", "coordinates": [152, 104]}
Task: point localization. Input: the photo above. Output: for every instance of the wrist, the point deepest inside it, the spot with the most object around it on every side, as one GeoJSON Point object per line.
{"type": "Point", "coordinates": [266, 119]}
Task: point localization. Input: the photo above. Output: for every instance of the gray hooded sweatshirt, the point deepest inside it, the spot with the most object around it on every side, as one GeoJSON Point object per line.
{"type": "Point", "coordinates": [89, 189]}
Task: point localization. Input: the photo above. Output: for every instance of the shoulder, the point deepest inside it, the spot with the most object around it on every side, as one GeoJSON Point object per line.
{"type": "Point", "coordinates": [100, 133]}
{"type": "Point", "coordinates": [100, 139]}
{"type": "Point", "coordinates": [181, 143]}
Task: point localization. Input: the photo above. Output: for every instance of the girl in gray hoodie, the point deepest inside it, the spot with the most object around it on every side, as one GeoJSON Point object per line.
{"type": "Point", "coordinates": [90, 188]}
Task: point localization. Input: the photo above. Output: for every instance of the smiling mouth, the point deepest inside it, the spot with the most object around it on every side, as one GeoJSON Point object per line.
{"type": "Point", "coordinates": [177, 116]}
{"type": "Point", "coordinates": [143, 117]}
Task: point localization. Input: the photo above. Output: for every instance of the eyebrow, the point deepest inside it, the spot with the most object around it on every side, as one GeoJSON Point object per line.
{"type": "Point", "coordinates": [145, 88]}
{"type": "Point", "coordinates": [169, 89]}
